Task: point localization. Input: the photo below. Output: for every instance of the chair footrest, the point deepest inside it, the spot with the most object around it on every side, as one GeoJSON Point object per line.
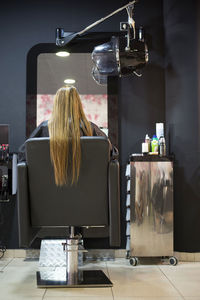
{"type": "Point", "coordinates": [88, 278]}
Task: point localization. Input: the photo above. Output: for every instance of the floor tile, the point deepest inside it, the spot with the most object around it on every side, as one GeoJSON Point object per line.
{"type": "Point", "coordinates": [145, 289]}
{"type": "Point", "coordinates": [95, 265]}
{"type": "Point", "coordinates": [4, 262]}
{"type": "Point", "coordinates": [19, 282]}
{"type": "Point", "coordinates": [191, 298]}
{"type": "Point", "coordinates": [21, 262]}
{"type": "Point", "coordinates": [185, 277]}
{"type": "Point", "coordinates": [79, 292]}
{"type": "Point", "coordinates": [140, 281]}
{"type": "Point", "coordinates": [148, 298]}
{"type": "Point", "coordinates": [128, 274]}
{"type": "Point", "coordinates": [143, 282]}
{"type": "Point", "coordinates": [21, 297]}
{"type": "Point", "coordinates": [79, 298]}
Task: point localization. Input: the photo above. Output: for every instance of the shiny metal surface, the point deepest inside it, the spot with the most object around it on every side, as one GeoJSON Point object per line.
{"type": "Point", "coordinates": [151, 208]}
{"type": "Point", "coordinates": [72, 261]}
{"type": "Point", "coordinates": [52, 254]}
{"type": "Point", "coordinates": [59, 267]}
{"type": "Point", "coordinates": [58, 278]}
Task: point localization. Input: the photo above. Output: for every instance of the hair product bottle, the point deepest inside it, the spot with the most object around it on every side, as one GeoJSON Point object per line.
{"type": "Point", "coordinates": [159, 130]}
{"type": "Point", "coordinates": [154, 144]}
{"type": "Point", "coordinates": [148, 141]}
{"type": "Point", "coordinates": [162, 146]}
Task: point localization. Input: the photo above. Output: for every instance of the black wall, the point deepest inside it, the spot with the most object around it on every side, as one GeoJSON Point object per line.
{"type": "Point", "coordinates": [142, 99]}
{"type": "Point", "coordinates": [167, 92]}
{"type": "Point", "coordinates": [182, 117]}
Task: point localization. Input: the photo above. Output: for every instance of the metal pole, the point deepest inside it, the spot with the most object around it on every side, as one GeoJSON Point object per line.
{"type": "Point", "coordinates": [71, 232]}
{"type": "Point", "coordinates": [72, 261]}
{"type": "Point", "coordinates": [108, 16]}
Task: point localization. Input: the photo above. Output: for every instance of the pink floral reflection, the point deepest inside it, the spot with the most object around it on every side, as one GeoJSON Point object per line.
{"type": "Point", "coordinates": [95, 108]}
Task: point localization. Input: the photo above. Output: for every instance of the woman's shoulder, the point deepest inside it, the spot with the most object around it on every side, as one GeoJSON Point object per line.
{"type": "Point", "coordinates": [97, 131]}
{"type": "Point", "coordinates": [44, 128]}
{"type": "Point", "coordinates": [93, 125]}
{"type": "Point", "coordinates": [44, 123]}
{"type": "Point", "coordinates": [41, 130]}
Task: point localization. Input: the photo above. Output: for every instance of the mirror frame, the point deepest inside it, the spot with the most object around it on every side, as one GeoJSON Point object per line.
{"type": "Point", "coordinates": [81, 44]}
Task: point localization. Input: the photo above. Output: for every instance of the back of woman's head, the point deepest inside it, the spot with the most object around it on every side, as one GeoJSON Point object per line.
{"type": "Point", "coordinates": [65, 126]}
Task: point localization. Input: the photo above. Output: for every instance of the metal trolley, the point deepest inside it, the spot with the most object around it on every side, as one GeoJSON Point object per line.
{"type": "Point", "coordinates": [150, 208]}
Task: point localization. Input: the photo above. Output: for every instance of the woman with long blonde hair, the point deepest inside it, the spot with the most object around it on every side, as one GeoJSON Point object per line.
{"type": "Point", "coordinates": [65, 127]}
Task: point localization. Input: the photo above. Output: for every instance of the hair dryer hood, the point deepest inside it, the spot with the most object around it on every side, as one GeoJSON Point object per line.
{"type": "Point", "coordinates": [105, 61]}
{"type": "Point", "coordinates": [111, 59]}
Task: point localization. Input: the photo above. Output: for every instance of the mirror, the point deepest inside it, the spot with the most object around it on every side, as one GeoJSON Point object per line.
{"type": "Point", "coordinates": [52, 72]}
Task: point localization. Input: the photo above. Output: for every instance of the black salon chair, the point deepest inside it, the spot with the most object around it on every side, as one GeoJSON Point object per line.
{"type": "Point", "coordinates": [93, 201]}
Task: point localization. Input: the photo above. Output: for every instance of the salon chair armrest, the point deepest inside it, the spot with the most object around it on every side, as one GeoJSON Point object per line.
{"type": "Point", "coordinates": [114, 204]}
{"type": "Point", "coordinates": [114, 153]}
{"type": "Point", "coordinates": [26, 232]}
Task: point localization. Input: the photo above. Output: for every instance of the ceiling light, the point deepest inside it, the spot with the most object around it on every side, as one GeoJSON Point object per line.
{"type": "Point", "coordinates": [69, 81]}
{"type": "Point", "coordinates": [63, 53]}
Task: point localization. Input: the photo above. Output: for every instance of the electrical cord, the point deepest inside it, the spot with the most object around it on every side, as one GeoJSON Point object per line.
{"type": "Point", "coordinates": [2, 248]}
{"type": "Point", "coordinates": [2, 251]}
{"type": "Point", "coordinates": [1, 214]}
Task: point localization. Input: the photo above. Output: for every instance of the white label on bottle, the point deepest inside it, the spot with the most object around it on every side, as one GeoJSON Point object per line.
{"type": "Point", "coordinates": [145, 147]}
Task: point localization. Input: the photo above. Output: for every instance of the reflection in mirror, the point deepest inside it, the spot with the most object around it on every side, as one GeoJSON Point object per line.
{"type": "Point", "coordinates": [53, 70]}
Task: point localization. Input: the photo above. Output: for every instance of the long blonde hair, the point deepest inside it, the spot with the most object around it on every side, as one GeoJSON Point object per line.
{"type": "Point", "coordinates": [64, 130]}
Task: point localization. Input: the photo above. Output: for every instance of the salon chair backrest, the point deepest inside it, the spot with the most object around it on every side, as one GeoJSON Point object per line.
{"type": "Point", "coordinates": [93, 201]}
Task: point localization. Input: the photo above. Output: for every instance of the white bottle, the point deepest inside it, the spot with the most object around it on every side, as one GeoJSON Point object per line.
{"type": "Point", "coordinates": [148, 141]}
{"type": "Point", "coordinates": [159, 130]}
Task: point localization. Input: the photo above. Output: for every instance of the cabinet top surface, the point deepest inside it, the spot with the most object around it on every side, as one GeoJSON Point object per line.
{"type": "Point", "coordinates": [150, 158]}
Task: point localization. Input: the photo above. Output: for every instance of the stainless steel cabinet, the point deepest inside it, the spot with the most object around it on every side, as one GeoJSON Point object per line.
{"type": "Point", "coordinates": [151, 208]}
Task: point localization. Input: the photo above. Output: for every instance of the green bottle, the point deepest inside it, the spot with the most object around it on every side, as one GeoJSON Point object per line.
{"type": "Point", "coordinates": [154, 144]}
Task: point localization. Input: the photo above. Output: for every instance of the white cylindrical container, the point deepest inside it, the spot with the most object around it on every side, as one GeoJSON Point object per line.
{"type": "Point", "coordinates": [145, 147]}
{"type": "Point", "coordinates": [159, 130]}
{"type": "Point", "coordinates": [148, 141]}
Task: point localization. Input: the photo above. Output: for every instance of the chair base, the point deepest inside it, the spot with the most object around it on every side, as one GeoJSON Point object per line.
{"type": "Point", "coordinates": [89, 278]}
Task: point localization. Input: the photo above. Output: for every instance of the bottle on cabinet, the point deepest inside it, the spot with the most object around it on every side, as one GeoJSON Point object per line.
{"type": "Point", "coordinates": [159, 130]}
{"type": "Point", "coordinates": [162, 146]}
{"type": "Point", "coordinates": [148, 141]}
{"type": "Point", "coordinates": [146, 145]}
{"type": "Point", "coordinates": [154, 144]}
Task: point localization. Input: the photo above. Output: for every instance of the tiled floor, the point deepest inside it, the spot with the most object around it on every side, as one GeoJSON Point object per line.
{"type": "Point", "coordinates": [147, 281]}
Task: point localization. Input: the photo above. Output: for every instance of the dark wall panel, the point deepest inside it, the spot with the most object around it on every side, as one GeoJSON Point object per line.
{"type": "Point", "coordinates": [142, 99]}
{"type": "Point", "coordinates": [182, 117]}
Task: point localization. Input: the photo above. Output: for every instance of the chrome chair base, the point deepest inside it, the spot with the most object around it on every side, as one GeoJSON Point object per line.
{"type": "Point", "coordinates": [70, 275]}
{"type": "Point", "coordinates": [86, 278]}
